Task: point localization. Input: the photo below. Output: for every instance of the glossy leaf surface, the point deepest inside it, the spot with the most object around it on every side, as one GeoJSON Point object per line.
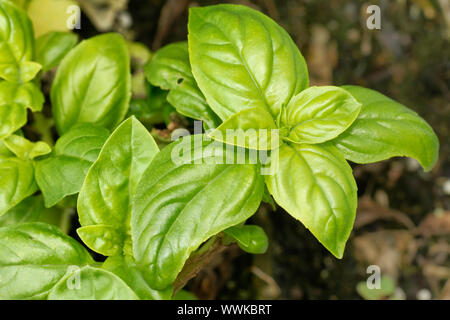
{"type": "Point", "coordinates": [106, 195]}
{"type": "Point", "coordinates": [318, 114]}
{"type": "Point", "coordinates": [180, 204]}
{"type": "Point", "coordinates": [386, 129]}
{"type": "Point", "coordinates": [315, 185]}
{"type": "Point", "coordinates": [242, 59]}
{"type": "Point", "coordinates": [92, 84]}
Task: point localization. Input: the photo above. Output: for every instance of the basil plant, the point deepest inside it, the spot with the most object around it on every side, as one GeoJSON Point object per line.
{"type": "Point", "coordinates": [154, 212]}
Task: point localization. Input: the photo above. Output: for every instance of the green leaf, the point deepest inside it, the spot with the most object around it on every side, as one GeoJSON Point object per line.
{"type": "Point", "coordinates": [24, 148]}
{"type": "Point", "coordinates": [92, 84]}
{"type": "Point", "coordinates": [13, 116]}
{"type": "Point", "coordinates": [14, 99]}
{"type": "Point", "coordinates": [26, 94]}
{"type": "Point", "coordinates": [105, 239]}
{"type": "Point", "coordinates": [385, 129]}
{"type": "Point", "coordinates": [106, 195]}
{"type": "Point", "coordinates": [34, 257]}
{"type": "Point", "coordinates": [17, 177]}
{"type": "Point", "coordinates": [63, 173]}
{"type": "Point", "coordinates": [315, 185]}
{"type": "Point", "coordinates": [182, 202]}
{"type": "Point", "coordinates": [251, 239]}
{"type": "Point", "coordinates": [28, 210]}
{"type": "Point", "coordinates": [184, 295]}
{"type": "Point", "coordinates": [242, 59]}
{"type": "Point", "coordinates": [94, 284]}
{"type": "Point", "coordinates": [318, 114]}
{"type": "Point", "coordinates": [53, 46]}
{"type": "Point", "coordinates": [252, 128]}
{"type": "Point", "coordinates": [32, 209]}
{"type": "Point", "coordinates": [16, 45]}
{"type": "Point", "coordinates": [170, 69]}
{"type": "Point", "coordinates": [126, 269]}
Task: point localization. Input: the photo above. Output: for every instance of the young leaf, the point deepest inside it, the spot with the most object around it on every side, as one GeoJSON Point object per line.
{"type": "Point", "coordinates": [99, 69]}
{"type": "Point", "coordinates": [12, 117]}
{"type": "Point", "coordinates": [94, 284]}
{"type": "Point", "coordinates": [318, 114]}
{"type": "Point", "coordinates": [17, 177]}
{"type": "Point", "coordinates": [53, 46]}
{"type": "Point", "coordinates": [26, 94]}
{"type": "Point", "coordinates": [34, 257]}
{"type": "Point", "coordinates": [16, 44]}
{"type": "Point", "coordinates": [251, 239]}
{"type": "Point", "coordinates": [254, 128]}
{"type": "Point", "coordinates": [386, 129]}
{"type": "Point", "coordinates": [106, 195]}
{"type": "Point", "coordinates": [125, 268]}
{"type": "Point", "coordinates": [63, 173]}
{"type": "Point", "coordinates": [242, 59]}
{"type": "Point", "coordinates": [170, 69]}
{"type": "Point", "coordinates": [315, 185]}
{"type": "Point", "coordinates": [24, 148]}
{"type": "Point", "coordinates": [180, 203]}
{"type": "Point", "coordinates": [14, 99]}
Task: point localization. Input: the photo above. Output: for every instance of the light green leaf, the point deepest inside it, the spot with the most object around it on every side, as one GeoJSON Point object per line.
{"type": "Point", "coordinates": [27, 94]}
{"type": "Point", "coordinates": [182, 202]}
{"type": "Point", "coordinates": [104, 239]}
{"type": "Point", "coordinates": [16, 44]}
{"type": "Point", "coordinates": [106, 195]}
{"type": "Point", "coordinates": [13, 116]}
{"type": "Point", "coordinates": [252, 128]}
{"type": "Point", "coordinates": [17, 177]}
{"type": "Point", "coordinates": [14, 99]}
{"type": "Point", "coordinates": [242, 59]}
{"type": "Point", "coordinates": [386, 129]}
{"type": "Point", "coordinates": [125, 268]}
{"type": "Point", "coordinates": [170, 69]}
{"type": "Point", "coordinates": [63, 173]}
{"type": "Point", "coordinates": [53, 46]}
{"type": "Point", "coordinates": [250, 238]}
{"type": "Point", "coordinates": [34, 257]}
{"type": "Point", "coordinates": [94, 284]}
{"type": "Point", "coordinates": [318, 114]}
{"type": "Point", "coordinates": [24, 148]}
{"type": "Point", "coordinates": [315, 185]}
{"type": "Point", "coordinates": [92, 84]}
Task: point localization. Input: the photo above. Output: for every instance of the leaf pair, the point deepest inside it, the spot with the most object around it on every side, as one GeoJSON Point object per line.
{"type": "Point", "coordinates": [139, 202]}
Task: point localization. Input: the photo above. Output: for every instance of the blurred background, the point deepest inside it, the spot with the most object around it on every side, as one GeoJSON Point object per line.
{"type": "Point", "coordinates": [403, 219]}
